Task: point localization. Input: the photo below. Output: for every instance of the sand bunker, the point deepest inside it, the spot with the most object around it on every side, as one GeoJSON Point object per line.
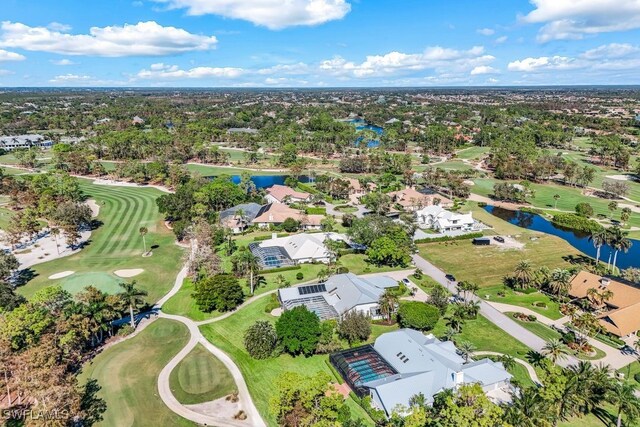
{"type": "Point", "coordinates": [619, 177]}
{"type": "Point", "coordinates": [131, 272]}
{"type": "Point", "coordinates": [61, 275]}
{"type": "Point", "coordinates": [95, 208]}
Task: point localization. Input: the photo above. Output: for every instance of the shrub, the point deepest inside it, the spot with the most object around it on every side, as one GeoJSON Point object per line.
{"type": "Point", "coordinates": [125, 330]}
{"type": "Point", "coordinates": [290, 225]}
{"type": "Point", "coordinates": [298, 330]}
{"type": "Point", "coordinates": [342, 270]}
{"type": "Point", "coordinates": [272, 304]}
{"type": "Point", "coordinates": [531, 318]}
{"type": "Point", "coordinates": [418, 315]}
{"type": "Point", "coordinates": [354, 327]}
{"type": "Point", "coordinates": [636, 377]}
{"type": "Point", "coordinates": [299, 276]}
{"type": "Point", "coordinates": [575, 222]}
{"type": "Point", "coordinates": [221, 292]}
{"type": "Point", "coordinates": [260, 340]}
{"type": "Point", "coordinates": [540, 304]}
{"type": "Point", "coordinates": [584, 209]}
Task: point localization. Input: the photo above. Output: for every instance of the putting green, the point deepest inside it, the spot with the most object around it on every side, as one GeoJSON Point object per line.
{"type": "Point", "coordinates": [104, 281]}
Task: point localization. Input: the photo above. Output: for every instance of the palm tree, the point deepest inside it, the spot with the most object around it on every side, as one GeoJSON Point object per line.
{"type": "Point", "coordinates": [625, 214]}
{"type": "Point", "coordinates": [556, 197]}
{"type": "Point", "coordinates": [523, 273]}
{"type": "Point", "coordinates": [455, 323]}
{"type": "Point", "coordinates": [247, 263]}
{"type": "Point", "coordinates": [132, 296]}
{"type": "Point", "coordinates": [555, 350]}
{"type": "Point", "coordinates": [143, 232]}
{"type": "Point", "coordinates": [560, 281]}
{"type": "Point", "coordinates": [613, 206]}
{"type": "Point", "coordinates": [508, 361]}
{"type": "Point", "coordinates": [528, 409]}
{"type": "Point", "coordinates": [466, 349]}
{"type": "Point", "coordinates": [598, 238]}
{"type": "Point", "coordinates": [388, 303]}
{"type": "Point", "coordinates": [619, 242]}
{"type": "Point", "coordinates": [623, 396]}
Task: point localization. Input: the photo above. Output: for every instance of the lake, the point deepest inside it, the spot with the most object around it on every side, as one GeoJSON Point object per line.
{"type": "Point", "coordinates": [577, 239]}
{"type": "Point", "coordinates": [266, 181]}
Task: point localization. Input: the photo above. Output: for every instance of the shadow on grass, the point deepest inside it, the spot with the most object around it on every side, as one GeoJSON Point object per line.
{"type": "Point", "coordinates": [607, 418]}
{"type": "Point", "coordinates": [25, 276]}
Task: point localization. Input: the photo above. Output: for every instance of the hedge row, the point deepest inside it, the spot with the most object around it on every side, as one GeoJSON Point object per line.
{"type": "Point", "coordinates": [307, 188]}
{"type": "Point", "coordinates": [268, 236]}
{"type": "Point", "coordinates": [450, 238]}
{"type": "Point", "coordinates": [279, 269]}
{"type": "Point", "coordinates": [316, 211]}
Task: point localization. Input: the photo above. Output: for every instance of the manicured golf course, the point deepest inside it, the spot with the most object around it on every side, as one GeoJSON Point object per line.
{"type": "Point", "coordinates": [200, 377]}
{"type": "Point", "coordinates": [128, 374]}
{"type": "Point", "coordinates": [116, 245]}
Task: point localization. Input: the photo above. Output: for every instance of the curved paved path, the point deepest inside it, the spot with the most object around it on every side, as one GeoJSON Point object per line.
{"type": "Point", "coordinates": [529, 368]}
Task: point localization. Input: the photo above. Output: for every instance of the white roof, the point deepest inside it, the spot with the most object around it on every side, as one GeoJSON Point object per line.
{"type": "Point", "coordinates": [426, 365]}
{"type": "Point", "coordinates": [304, 245]}
{"type": "Point", "coordinates": [445, 218]}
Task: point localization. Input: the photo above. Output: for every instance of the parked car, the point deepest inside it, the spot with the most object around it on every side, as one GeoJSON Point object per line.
{"type": "Point", "coordinates": [498, 239]}
{"type": "Point", "coordinates": [406, 281]}
{"type": "Point", "coordinates": [450, 277]}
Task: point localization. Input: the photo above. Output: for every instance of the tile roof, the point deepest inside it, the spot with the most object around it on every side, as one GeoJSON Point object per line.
{"type": "Point", "coordinates": [279, 192]}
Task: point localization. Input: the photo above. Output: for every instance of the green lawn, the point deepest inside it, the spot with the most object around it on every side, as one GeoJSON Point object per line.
{"type": "Point", "coordinates": [552, 310]}
{"type": "Point", "coordinates": [116, 245]}
{"type": "Point", "coordinates": [200, 377]}
{"type": "Point", "coordinates": [5, 217]}
{"type": "Point", "coordinates": [128, 374]}
{"type": "Point", "coordinates": [488, 265]}
{"type": "Point", "coordinates": [543, 331]}
{"type": "Point", "coordinates": [262, 374]}
{"type": "Point", "coordinates": [206, 170]}
{"type": "Point", "coordinates": [472, 153]}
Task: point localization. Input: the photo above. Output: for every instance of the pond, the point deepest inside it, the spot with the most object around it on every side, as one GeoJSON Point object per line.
{"type": "Point", "coordinates": [361, 125]}
{"type": "Point", "coordinates": [266, 181]}
{"type": "Point", "coordinates": [577, 239]}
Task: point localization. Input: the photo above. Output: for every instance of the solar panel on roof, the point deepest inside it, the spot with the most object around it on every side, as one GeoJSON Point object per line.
{"type": "Point", "coordinates": [312, 289]}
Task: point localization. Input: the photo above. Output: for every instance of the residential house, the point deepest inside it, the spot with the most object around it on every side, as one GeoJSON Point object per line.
{"type": "Point", "coordinates": [17, 142]}
{"type": "Point", "coordinates": [620, 313]}
{"type": "Point", "coordinates": [411, 199]}
{"type": "Point", "coordinates": [404, 363]}
{"type": "Point", "coordinates": [283, 194]}
{"type": "Point", "coordinates": [137, 120]}
{"type": "Point", "coordinates": [338, 295]}
{"type": "Point", "coordinates": [276, 213]}
{"type": "Point", "coordinates": [239, 217]}
{"type": "Point", "coordinates": [443, 221]}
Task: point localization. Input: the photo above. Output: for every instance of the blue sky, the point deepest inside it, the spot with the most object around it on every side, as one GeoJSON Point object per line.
{"type": "Point", "coordinates": [315, 43]}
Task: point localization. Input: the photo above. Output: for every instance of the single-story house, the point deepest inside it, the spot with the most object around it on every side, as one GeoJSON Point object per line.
{"type": "Point", "coordinates": [238, 218]}
{"type": "Point", "coordinates": [357, 189]}
{"type": "Point", "coordinates": [621, 312]}
{"type": "Point", "coordinates": [411, 199]}
{"type": "Point", "coordinates": [283, 194]}
{"type": "Point", "coordinates": [442, 220]}
{"type": "Point", "coordinates": [340, 294]}
{"type": "Point", "coordinates": [17, 142]}
{"type": "Point", "coordinates": [404, 363]}
{"type": "Point", "coordinates": [277, 213]}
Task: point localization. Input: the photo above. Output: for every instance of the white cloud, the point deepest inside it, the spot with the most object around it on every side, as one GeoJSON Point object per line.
{"type": "Point", "coordinates": [543, 63]}
{"type": "Point", "coordinates": [435, 58]}
{"type": "Point", "coordinates": [273, 14]}
{"type": "Point", "coordinates": [484, 69]}
{"type": "Point", "coordinates": [62, 62]}
{"type": "Point", "coordinates": [141, 39]}
{"type": "Point", "coordinates": [501, 39]}
{"type": "Point", "coordinates": [614, 56]}
{"type": "Point", "coordinates": [56, 26]}
{"type": "Point", "coordinates": [486, 31]}
{"type": "Point", "coordinates": [573, 19]}
{"type": "Point", "coordinates": [164, 71]}
{"type": "Point", "coordinates": [5, 72]}
{"type": "Point", "coordinates": [10, 56]}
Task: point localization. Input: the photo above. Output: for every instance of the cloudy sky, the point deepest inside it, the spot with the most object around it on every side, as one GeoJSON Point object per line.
{"type": "Point", "coordinates": [316, 43]}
